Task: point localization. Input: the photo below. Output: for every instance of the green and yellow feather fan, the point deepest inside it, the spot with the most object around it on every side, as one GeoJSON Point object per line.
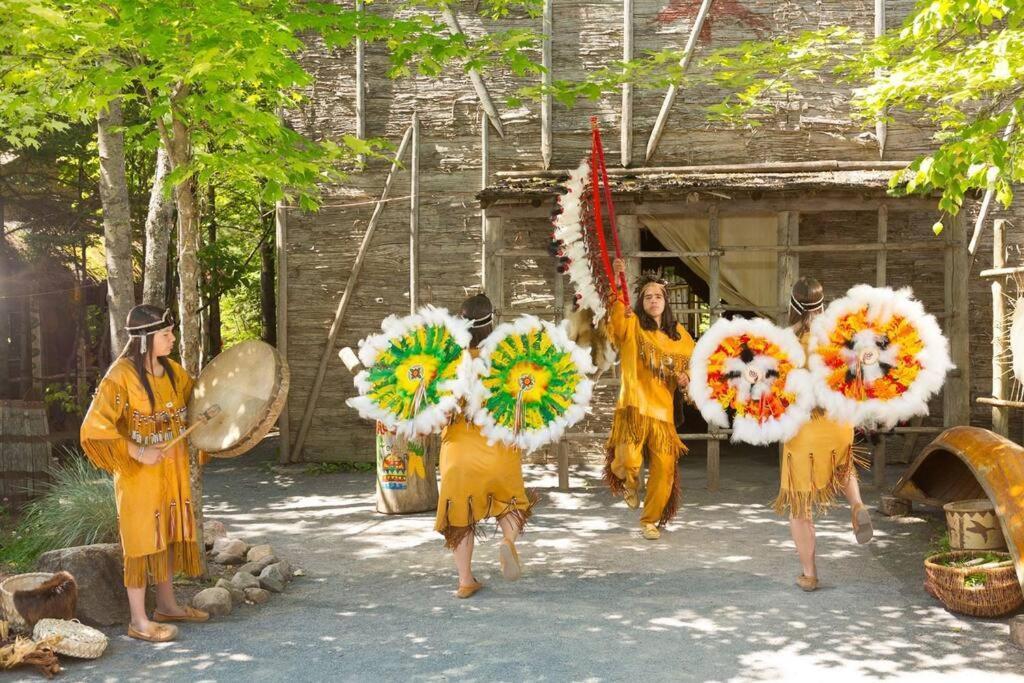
{"type": "Point", "coordinates": [412, 382]}
{"type": "Point", "coordinates": [530, 384]}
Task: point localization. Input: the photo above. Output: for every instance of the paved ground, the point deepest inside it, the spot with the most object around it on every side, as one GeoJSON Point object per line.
{"type": "Point", "coordinates": [714, 600]}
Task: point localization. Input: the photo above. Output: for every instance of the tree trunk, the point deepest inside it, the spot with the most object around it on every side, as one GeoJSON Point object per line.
{"type": "Point", "coordinates": [188, 276]}
{"type": "Point", "coordinates": [117, 227]}
{"type": "Point", "coordinates": [268, 291]}
{"type": "Point", "coordinates": [213, 312]}
{"type": "Point", "coordinates": [159, 221]}
{"type": "Point", "coordinates": [178, 146]}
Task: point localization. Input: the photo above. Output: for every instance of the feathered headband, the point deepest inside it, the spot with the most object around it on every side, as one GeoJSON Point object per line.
{"type": "Point", "coordinates": [651, 277]}
{"type": "Point", "coordinates": [143, 331]}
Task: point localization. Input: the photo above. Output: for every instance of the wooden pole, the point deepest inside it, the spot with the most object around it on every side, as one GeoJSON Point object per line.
{"type": "Point", "coordinates": [881, 127]}
{"type": "Point", "coordinates": [414, 217]}
{"type": "Point", "coordinates": [788, 261]}
{"type": "Point", "coordinates": [545, 101]}
{"type": "Point", "coordinates": [339, 314]}
{"type": "Point", "coordinates": [673, 90]}
{"type": "Point", "coordinates": [881, 274]}
{"type": "Point", "coordinates": [281, 245]}
{"type": "Point", "coordinates": [626, 141]}
{"type": "Point", "coordinates": [1000, 414]}
{"type": "Point", "coordinates": [474, 76]}
{"type": "Point", "coordinates": [485, 179]}
{"type": "Point", "coordinates": [956, 396]}
{"type": "Point", "coordinates": [493, 242]}
{"type": "Point", "coordinates": [986, 201]}
{"type": "Point", "coordinates": [360, 86]}
{"type": "Point", "coordinates": [714, 298]}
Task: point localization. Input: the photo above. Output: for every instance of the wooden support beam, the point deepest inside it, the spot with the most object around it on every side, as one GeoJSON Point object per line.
{"type": "Point", "coordinates": [881, 127]}
{"type": "Point", "coordinates": [787, 261]}
{"type": "Point", "coordinates": [414, 217]}
{"type": "Point", "coordinates": [759, 167]}
{"type": "Point", "coordinates": [474, 76]}
{"type": "Point", "coordinates": [493, 271]}
{"type": "Point", "coordinates": [626, 138]}
{"type": "Point", "coordinates": [1002, 271]}
{"type": "Point", "coordinates": [350, 286]}
{"type": "Point", "coordinates": [281, 247]}
{"type": "Point", "coordinates": [485, 180]}
{"type": "Point", "coordinates": [999, 402]}
{"type": "Point", "coordinates": [540, 207]}
{"type": "Point", "coordinates": [360, 86]}
{"type": "Point", "coordinates": [956, 397]}
{"type": "Point", "coordinates": [673, 90]}
{"type": "Point", "coordinates": [881, 273]}
{"type": "Point", "coordinates": [714, 301]}
{"type": "Point", "coordinates": [1000, 414]}
{"type": "Point", "coordinates": [545, 99]}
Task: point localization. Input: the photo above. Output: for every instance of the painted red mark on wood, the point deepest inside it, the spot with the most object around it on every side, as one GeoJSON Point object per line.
{"type": "Point", "coordinates": [720, 10]}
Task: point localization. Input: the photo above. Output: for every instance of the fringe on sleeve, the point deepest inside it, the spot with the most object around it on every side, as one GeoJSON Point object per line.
{"type": "Point", "coordinates": [104, 433]}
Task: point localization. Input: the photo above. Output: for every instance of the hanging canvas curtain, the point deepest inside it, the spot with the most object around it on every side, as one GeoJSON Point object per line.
{"type": "Point", "coordinates": [748, 278]}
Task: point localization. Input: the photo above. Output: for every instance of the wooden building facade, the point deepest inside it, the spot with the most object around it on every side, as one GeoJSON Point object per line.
{"type": "Point", "coordinates": [804, 192]}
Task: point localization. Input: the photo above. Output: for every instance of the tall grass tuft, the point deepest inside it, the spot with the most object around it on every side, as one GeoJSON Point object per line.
{"type": "Point", "coordinates": [76, 508]}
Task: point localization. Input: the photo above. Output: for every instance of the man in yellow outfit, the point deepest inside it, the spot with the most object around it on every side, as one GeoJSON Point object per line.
{"type": "Point", "coordinates": [654, 351]}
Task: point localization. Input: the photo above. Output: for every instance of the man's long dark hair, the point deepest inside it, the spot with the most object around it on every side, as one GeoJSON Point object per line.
{"type": "Point", "coordinates": [647, 322]}
{"type": "Point", "coordinates": [145, 315]}
{"type": "Point", "coordinates": [475, 308]}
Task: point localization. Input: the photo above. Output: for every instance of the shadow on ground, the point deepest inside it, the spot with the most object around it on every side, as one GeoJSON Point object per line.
{"type": "Point", "coordinates": [713, 600]}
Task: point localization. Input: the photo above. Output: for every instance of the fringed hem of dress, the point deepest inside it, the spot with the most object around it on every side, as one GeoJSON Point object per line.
{"type": "Point", "coordinates": [519, 511]}
{"type": "Point", "coordinates": [631, 426]}
{"type": "Point", "coordinates": [159, 567]}
{"type": "Point", "coordinates": [817, 501]}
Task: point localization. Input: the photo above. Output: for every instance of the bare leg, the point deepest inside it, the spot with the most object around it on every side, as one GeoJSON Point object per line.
{"type": "Point", "coordinates": [137, 607]}
{"type": "Point", "coordinates": [166, 602]}
{"type": "Point", "coordinates": [852, 490]}
{"type": "Point", "coordinates": [803, 536]}
{"type": "Point", "coordinates": [464, 560]}
{"type": "Point", "coordinates": [509, 528]}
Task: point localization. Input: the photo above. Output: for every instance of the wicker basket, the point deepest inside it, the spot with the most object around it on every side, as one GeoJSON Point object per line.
{"type": "Point", "coordinates": [19, 582]}
{"type": "Point", "coordinates": [76, 639]}
{"type": "Point", "coordinates": [1000, 594]}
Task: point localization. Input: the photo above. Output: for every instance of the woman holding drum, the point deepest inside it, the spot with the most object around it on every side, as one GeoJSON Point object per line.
{"type": "Point", "coordinates": [140, 407]}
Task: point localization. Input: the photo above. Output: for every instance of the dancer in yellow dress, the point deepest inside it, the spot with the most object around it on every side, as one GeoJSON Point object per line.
{"type": "Point", "coordinates": [654, 351]}
{"type": "Point", "coordinates": [139, 404]}
{"type": "Point", "coordinates": [479, 481]}
{"type": "Point", "coordinates": [820, 460]}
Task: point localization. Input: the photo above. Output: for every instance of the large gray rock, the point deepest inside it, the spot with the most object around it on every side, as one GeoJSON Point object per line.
{"type": "Point", "coordinates": [272, 578]}
{"type": "Point", "coordinates": [257, 595]}
{"type": "Point", "coordinates": [213, 531]}
{"type": "Point", "coordinates": [231, 546]}
{"type": "Point", "coordinates": [245, 580]}
{"type": "Point", "coordinates": [286, 569]}
{"type": "Point", "coordinates": [99, 572]}
{"type": "Point", "coordinates": [255, 568]}
{"type": "Point", "coordinates": [237, 594]}
{"type": "Point", "coordinates": [216, 601]}
{"type": "Point", "coordinates": [259, 552]}
{"type": "Point", "coordinates": [1017, 631]}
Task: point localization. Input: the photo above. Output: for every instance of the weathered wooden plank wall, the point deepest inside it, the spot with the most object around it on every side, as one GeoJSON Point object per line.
{"type": "Point", "coordinates": [587, 34]}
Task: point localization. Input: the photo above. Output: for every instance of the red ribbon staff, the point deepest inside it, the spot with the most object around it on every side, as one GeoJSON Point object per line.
{"type": "Point", "coordinates": [597, 163]}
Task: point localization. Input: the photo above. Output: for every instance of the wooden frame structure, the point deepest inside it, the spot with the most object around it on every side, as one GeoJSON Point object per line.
{"type": "Point", "coordinates": [701, 192]}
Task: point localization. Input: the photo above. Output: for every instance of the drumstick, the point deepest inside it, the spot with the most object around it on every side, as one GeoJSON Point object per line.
{"type": "Point", "coordinates": [204, 417]}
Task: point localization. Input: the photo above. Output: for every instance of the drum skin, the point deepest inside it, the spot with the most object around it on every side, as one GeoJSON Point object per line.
{"type": "Point", "coordinates": [249, 382]}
